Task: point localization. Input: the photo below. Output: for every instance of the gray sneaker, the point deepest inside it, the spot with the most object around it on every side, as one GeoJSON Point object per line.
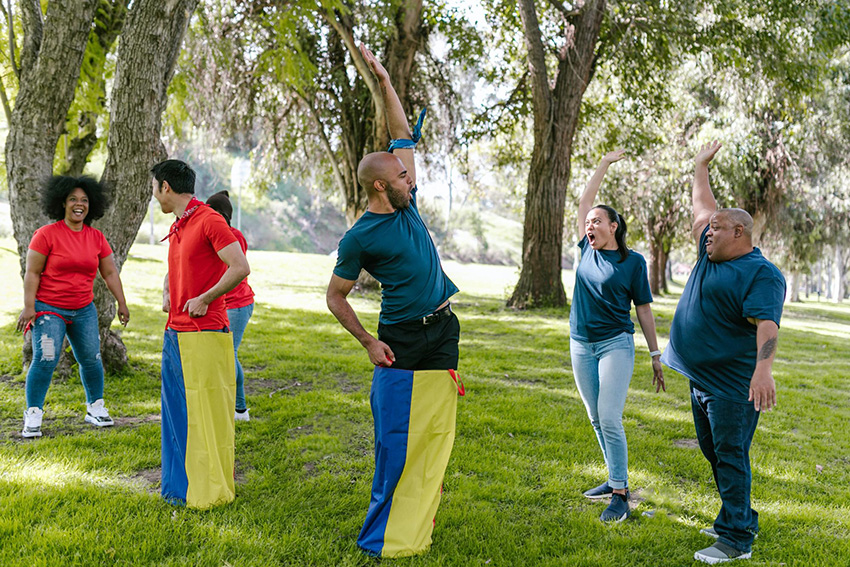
{"type": "Point", "coordinates": [720, 553]}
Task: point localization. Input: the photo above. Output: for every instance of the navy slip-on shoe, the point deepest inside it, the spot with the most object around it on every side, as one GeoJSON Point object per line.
{"type": "Point", "coordinates": [618, 509]}
{"type": "Point", "coordinates": [601, 491]}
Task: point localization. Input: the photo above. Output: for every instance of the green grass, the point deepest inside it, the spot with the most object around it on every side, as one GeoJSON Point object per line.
{"type": "Point", "coordinates": [524, 450]}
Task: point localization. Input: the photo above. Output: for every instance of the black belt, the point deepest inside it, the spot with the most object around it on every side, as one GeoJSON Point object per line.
{"type": "Point", "coordinates": [438, 315]}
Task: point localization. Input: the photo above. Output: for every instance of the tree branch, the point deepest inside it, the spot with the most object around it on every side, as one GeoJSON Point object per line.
{"type": "Point", "coordinates": [567, 13]}
{"type": "Point", "coordinates": [326, 144]}
{"type": "Point", "coordinates": [540, 91]}
{"type": "Point", "coordinates": [33, 32]}
{"type": "Point", "coordinates": [10, 20]}
{"type": "Point", "coordinates": [6, 107]}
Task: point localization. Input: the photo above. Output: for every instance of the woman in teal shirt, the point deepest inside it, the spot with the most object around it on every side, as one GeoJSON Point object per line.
{"type": "Point", "coordinates": [609, 278]}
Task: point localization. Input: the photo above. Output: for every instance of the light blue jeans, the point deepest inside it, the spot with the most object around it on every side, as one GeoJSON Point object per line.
{"type": "Point", "coordinates": [603, 371]}
{"type": "Point", "coordinates": [48, 334]}
{"type": "Point", "coordinates": [238, 321]}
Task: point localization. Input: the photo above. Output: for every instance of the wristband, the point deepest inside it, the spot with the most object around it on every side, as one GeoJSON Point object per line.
{"type": "Point", "coordinates": [411, 143]}
{"type": "Point", "coordinates": [655, 353]}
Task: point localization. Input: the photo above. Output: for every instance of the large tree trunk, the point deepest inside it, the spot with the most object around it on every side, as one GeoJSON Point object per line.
{"type": "Point", "coordinates": [147, 54]}
{"type": "Point", "coordinates": [50, 68]}
{"type": "Point", "coordinates": [556, 113]}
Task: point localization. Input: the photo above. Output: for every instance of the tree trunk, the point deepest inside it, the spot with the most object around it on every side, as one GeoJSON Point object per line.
{"type": "Point", "coordinates": [838, 279]}
{"type": "Point", "coordinates": [147, 54]}
{"type": "Point", "coordinates": [556, 113]}
{"type": "Point", "coordinates": [795, 286]}
{"type": "Point", "coordinates": [50, 68]}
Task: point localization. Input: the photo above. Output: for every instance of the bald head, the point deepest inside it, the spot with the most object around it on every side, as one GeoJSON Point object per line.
{"type": "Point", "coordinates": [737, 217]}
{"type": "Point", "coordinates": [378, 166]}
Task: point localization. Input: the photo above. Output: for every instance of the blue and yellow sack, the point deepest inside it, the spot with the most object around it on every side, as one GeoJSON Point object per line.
{"type": "Point", "coordinates": [198, 397]}
{"type": "Point", "coordinates": [414, 414]}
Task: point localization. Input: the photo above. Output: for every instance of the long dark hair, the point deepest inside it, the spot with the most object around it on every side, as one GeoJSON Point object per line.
{"type": "Point", "coordinates": [620, 233]}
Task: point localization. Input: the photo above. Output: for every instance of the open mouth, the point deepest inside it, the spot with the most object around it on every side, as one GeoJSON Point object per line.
{"type": "Point", "coordinates": [591, 238]}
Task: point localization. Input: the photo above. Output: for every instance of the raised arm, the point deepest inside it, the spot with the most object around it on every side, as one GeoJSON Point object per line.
{"type": "Point", "coordinates": [396, 120]}
{"type": "Point", "coordinates": [380, 354]}
{"type": "Point", "coordinates": [703, 198]}
{"type": "Point", "coordinates": [592, 188]}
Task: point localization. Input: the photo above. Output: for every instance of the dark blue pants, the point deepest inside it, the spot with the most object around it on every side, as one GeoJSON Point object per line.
{"type": "Point", "coordinates": [725, 431]}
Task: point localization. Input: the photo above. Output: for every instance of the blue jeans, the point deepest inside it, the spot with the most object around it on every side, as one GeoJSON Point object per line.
{"type": "Point", "coordinates": [603, 371]}
{"type": "Point", "coordinates": [725, 431]}
{"type": "Point", "coordinates": [238, 321]}
{"type": "Point", "coordinates": [48, 334]}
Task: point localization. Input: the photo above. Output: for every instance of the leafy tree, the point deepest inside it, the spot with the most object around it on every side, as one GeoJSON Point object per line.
{"type": "Point", "coordinates": [54, 45]}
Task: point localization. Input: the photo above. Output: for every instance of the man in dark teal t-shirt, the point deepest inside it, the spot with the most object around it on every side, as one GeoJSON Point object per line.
{"type": "Point", "coordinates": [417, 331]}
{"type": "Point", "coordinates": [723, 338]}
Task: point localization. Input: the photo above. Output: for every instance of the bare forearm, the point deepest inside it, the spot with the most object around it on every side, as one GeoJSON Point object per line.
{"type": "Point", "coordinates": [647, 325]}
{"type": "Point", "coordinates": [592, 187]}
{"type": "Point", "coordinates": [229, 280]}
{"type": "Point", "coordinates": [113, 284]}
{"type": "Point", "coordinates": [31, 282]}
{"type": "Point", "coordinates": [396, 119]}
{"type": "Point", "coordinates": [767, 337]}
{"type": "Point", "coordinates": [702, 196]}
{"type": "Point", "coordinates": [345, 314]}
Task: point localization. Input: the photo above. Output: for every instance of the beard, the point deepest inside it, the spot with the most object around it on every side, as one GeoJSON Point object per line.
{"type": "Point", "coordinates": [398, 199]}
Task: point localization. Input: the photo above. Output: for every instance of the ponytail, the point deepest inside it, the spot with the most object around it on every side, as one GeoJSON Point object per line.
{"type": "Point", "coordinates": [620, 236]}
{"type": "Point", "coordinates": [620, 233]}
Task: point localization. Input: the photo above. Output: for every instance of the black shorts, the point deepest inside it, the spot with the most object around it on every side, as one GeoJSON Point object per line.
{"type": "Point", "coordinates": [423, 347]}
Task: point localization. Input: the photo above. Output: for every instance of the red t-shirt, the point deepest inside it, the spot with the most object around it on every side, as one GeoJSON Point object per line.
{"type": "Point", "coordinates": [194, 267]}
{"type": "Point", "coordinates": [71, 266]}
{"type": "Point", "coordinates": [242, 295]}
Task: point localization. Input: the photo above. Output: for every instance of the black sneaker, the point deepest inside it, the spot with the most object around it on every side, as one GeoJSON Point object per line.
{"type": "Point", "coordinates": [601, 491]}
{"type": "Point", "coordinates": [618, 509]}
{"type": "Point", "coordinates": [720, 553]}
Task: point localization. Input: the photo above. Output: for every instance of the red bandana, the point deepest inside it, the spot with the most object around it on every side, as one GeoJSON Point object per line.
{"type": "Point", "coordinates": [191, 207]}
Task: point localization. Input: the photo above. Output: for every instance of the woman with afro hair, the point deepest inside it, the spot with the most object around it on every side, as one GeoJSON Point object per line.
{"type": "Point", "coordinates": [62, 262]}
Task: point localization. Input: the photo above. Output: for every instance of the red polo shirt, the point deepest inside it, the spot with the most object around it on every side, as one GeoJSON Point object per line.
{"type": "Point", "coordinates": [242, 295]}
{"type": "Point", "coordinates": [71, 266]}
{"type": "Point", "coordinates": [194, 267]}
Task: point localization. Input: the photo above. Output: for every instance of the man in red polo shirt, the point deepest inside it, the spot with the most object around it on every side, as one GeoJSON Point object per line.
{"type": "Point", "coordinates": [205, 261]}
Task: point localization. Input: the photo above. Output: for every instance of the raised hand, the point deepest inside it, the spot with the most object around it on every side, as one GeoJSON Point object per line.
{"type": "Point", "coordinates": [614, 157]}
{"type": "Point", "coordinates": [706, 152]}
{"type": "Point", "coordinates": [374, 64]}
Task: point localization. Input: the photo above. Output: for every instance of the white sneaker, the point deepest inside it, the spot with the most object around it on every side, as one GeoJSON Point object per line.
{"type": "Point", "coordinates": [32, 422]}
{"type": "Point", "coordinates": [242, 415]}
{"type": "Point", "coordinates": [97, 414]}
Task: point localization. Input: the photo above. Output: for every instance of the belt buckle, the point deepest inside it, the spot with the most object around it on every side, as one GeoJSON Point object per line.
{"type": "Point", "coordinates": [428, 319]}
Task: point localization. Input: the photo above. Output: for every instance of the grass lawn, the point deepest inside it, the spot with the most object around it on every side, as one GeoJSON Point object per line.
{"type": "Point", "coordinates": [524, 450]}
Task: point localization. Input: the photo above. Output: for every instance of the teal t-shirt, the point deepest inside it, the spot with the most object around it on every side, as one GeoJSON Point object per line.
{"type": "Point", "coordinates": [397, 250]}
{"type": "Point", "coordinates": [711, 341]}
{"type": "Point", "coordinates": [604, 291]}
